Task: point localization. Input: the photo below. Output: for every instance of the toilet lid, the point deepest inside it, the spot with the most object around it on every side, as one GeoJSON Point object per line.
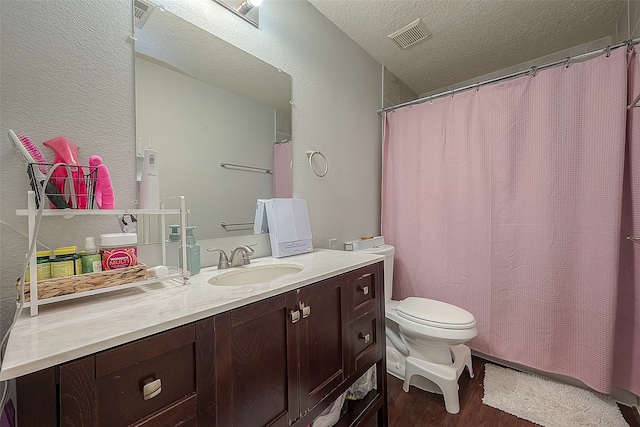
{"type": "Point", "coordinates": [435, 313]}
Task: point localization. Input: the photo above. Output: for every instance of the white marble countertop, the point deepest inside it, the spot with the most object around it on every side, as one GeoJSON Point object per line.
{"type": "Point", "coordinates": [67, 330]}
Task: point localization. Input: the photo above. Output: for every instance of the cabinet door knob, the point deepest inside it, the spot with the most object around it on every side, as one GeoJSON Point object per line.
{"type": "Point", "coordinates": [306, 311]}
{"type": "Point", "coordinates": [364, 289]}
{"type": "Point", "coordinates": [152, 389]}
{"type": "Point", "coordinates": [365, 337]}
{"type": "Point", "coordinates": [295, 316]}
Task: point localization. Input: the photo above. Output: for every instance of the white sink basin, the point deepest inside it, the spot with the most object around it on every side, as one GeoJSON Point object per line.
{"type": "Point", "coordinates": [250, 275]}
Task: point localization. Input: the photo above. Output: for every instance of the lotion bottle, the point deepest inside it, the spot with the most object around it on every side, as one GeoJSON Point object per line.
{"type": "Point", "coordinates": [193, 251]}
{"type": "Point", "coordinates": [91, 260]}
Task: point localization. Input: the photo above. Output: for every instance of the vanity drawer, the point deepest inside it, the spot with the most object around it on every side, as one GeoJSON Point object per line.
{"type": "Point", "coordinates": [138, 379]}
{"type": "Point", "coordinates": [366, 287]}
{"type": "Point", "coordinates": [132, 393]}
{"type": "Point", "coordinates": [132, 383]}
{"type": "Point", "coordinates": [173, 415]}
{"type": "Point", "coordinates": [365, 334]}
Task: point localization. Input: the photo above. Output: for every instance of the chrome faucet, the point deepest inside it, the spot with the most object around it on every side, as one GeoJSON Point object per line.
{"type": "Point", "coordinates": [234, 260]}
{"type": "Point", "coordinates": [223, 261]}
{"type": "Point", "coordinates": [245, 252]}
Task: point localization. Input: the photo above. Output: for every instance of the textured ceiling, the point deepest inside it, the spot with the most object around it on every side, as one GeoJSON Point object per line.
{"type": "Point", "coordinates": [470, 38]}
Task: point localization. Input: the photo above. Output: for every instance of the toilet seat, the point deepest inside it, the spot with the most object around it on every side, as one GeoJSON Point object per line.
{"type": "Point", "coordinates": [436, 314]}
{"type": "Point", "coordinates": [434, 330]}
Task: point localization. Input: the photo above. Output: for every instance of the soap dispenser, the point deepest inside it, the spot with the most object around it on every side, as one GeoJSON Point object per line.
{"type": "Point", "coordinates": [193, 251]}
{"type": "Point", "coordinates": [174, 235]}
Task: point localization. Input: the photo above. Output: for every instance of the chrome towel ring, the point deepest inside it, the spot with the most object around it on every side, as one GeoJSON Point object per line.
{"type": "Point", "coordinates": [310, 154]}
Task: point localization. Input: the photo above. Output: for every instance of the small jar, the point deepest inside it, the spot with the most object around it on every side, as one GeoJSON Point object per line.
{"type": "Point", "coordinates": [118, 250]}
{"type": "Point", "coordinates": [65, 262]}
{"type": "Point", "coordinates": [43, 268]}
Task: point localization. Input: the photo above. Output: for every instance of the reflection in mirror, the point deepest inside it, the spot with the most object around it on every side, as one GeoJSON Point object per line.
{"type": "Point", "coordinates": [248, 10]}
{"type": "Point", "coordinates": [201, 102]}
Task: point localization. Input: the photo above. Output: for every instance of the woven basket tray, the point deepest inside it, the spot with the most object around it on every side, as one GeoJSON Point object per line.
{"type": "Point", "coordinates": [85, 282]}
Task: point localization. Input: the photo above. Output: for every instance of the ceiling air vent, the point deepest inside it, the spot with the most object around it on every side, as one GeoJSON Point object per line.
{"type": "Point", "coordinates": [411, 34]}
{"type": "Point", "coordinates": [142, 10]}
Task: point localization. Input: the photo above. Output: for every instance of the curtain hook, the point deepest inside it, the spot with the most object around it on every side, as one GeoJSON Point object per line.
{"type": "Point", "coordinates": [533, 71]}
{"type": "Point", "coordinates": [431, 100]}
{"type": "Point", "coordinates": [607, 50]}
{"type": "Point", "coordinates": [630, 45]}
{"type": "Point", "coordinates": [452, 92]}
{"type": "Point", "coordinates": [568, 63]}
{"type": "Point", "coordinates": [477, 86]}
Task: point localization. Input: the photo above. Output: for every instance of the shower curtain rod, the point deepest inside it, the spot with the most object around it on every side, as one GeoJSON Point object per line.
{"type": "Point", "coordinates": [529, 71]}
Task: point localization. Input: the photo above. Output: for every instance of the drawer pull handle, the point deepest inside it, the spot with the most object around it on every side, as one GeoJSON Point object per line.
{"type": "Point", "coordinates": [364, 276]}
{"type": "Point", "coordinates": [365, 337]}
{"type": "Point", "coordinates": [306, 311]}
{"type": "Point", "coordinates": [295, 316]}
{"type": "Point", "coordinates": [364, 289]}
{"type": "Point", "coordinates": [152, 389]}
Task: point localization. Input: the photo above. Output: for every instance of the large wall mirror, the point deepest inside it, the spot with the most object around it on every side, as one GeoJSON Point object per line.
{"type": "Point", "coordinates": [200, 102]}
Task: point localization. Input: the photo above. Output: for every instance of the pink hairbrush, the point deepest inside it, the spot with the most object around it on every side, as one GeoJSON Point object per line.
{"type": "Point", "coordinates": [34, 154]}
{"type": "Point", "coordinates": [36, 174]}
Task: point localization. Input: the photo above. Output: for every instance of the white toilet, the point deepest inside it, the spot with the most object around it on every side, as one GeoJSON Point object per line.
{"type": "Point", "coordinates": [425, 339]}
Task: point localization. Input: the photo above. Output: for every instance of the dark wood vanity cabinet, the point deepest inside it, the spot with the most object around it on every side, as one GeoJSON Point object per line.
{"type": "Point", "coordinates": [149, 382]}
{"type": "Point", "coordinates": [277, 362]}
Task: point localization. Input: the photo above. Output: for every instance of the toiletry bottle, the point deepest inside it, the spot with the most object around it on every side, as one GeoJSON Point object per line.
{"type": "Point", "coordinates": [193, 251]}
{"type": "Point", "coordinates": [174, 236]}
{"type": "Point", "coordinates": [91, 259]}
{"type": "Point", "coordinates": [149, 187]}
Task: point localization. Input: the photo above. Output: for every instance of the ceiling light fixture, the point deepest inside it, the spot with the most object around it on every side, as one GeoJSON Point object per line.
{"type": "Point", "coordinates": [247, 5]}
{"type": "Point", "coordinates": [245, 9]}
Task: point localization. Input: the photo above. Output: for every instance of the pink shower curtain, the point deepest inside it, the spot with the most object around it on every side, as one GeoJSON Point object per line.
{"type": "Point", "coordinates": [507, 202]}
{"type": "Point", "coordinates": [282, 174]}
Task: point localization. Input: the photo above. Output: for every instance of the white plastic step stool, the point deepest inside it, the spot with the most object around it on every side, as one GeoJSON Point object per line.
{"type": "Point", "coordinates": [444, 376]}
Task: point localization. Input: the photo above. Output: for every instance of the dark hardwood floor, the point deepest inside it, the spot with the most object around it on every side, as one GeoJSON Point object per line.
{"type": "Point", "coordinates": [419, 408]}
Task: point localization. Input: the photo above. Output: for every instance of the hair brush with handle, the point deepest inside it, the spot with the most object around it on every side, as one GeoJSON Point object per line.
{"type": "Point", "coordinates": [35, 174]}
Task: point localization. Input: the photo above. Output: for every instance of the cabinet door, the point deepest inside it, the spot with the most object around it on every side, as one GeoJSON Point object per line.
{"type": "Point", "coordinates": [323, 339]}
{"type": "Point", "coordinates": [256, 364]}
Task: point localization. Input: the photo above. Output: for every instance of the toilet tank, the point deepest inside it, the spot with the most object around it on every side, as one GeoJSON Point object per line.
{"type": "Point", "coordinates": [388, 251]}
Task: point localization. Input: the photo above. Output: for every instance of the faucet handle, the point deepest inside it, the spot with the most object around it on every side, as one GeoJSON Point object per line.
{"type": "Point", "coordinates": [223, 261]}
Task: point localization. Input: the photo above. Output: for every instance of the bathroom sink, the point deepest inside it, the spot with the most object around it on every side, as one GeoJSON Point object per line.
{"type": "Point", "coordinates": [250, 275]}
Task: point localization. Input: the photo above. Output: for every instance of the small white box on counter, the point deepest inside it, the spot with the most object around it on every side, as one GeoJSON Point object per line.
{"type": "Point", "coordinates": [360, 244]}
{"type": "Point", "coordinates": [289, 227]}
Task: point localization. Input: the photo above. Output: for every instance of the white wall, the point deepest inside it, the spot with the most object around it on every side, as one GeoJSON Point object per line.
{"type": "Point", "coordinates": [67, 68]}
{"type": "Point", "coordinates": [628, 25]}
